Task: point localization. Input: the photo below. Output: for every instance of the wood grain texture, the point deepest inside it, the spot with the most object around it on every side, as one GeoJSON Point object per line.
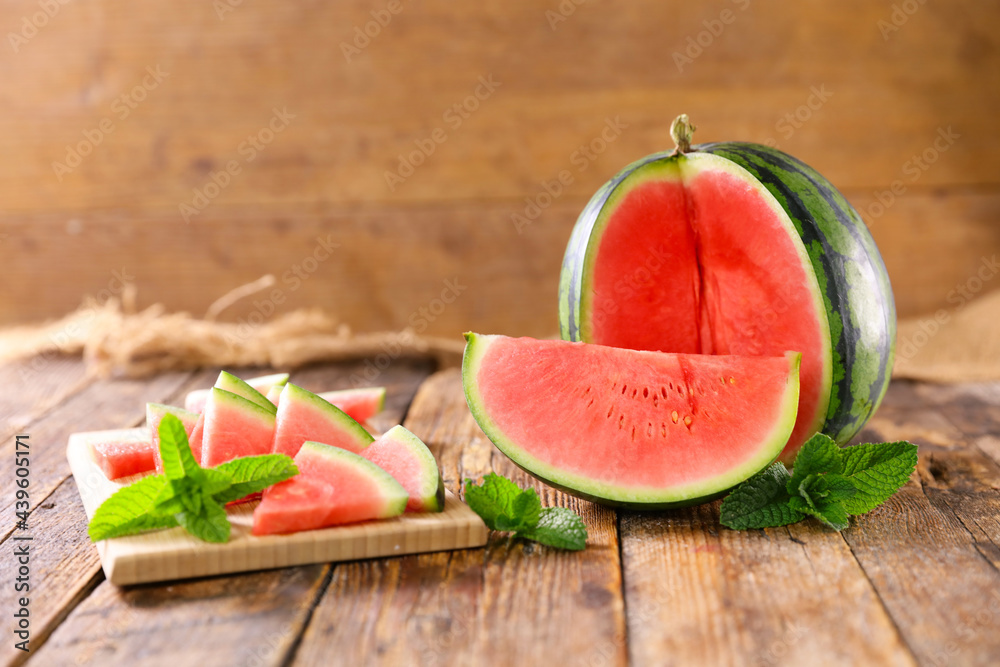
{"type": "Point", "coordinates": [169, 555]}
{"type": "Point", "coordinates": [255, 618]}
{"type": "Point", "coordinates": [510, 604]}
{"type": "Point", "coordinates": [35, 386]}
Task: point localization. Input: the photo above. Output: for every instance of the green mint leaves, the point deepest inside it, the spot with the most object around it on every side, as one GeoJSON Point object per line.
{"type": "Point", "coordinates": [828, 482]}
{"type": "Point", "coordinates": [504, 506]}
{"type": "Point", "coordinates": [186, 494]}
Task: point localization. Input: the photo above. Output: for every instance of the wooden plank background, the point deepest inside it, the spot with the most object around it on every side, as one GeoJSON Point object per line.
{"type": "Point", "coordinates": [868, 86]}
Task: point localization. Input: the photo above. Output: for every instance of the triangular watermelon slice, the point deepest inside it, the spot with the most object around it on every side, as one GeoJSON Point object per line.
{"type": "Point", "coordinates": [122, 452]}
{"type": "Point", "coordinates": [333, 487]}
{"type": "Point", "coordinates": [302, 416]}
{"type": "Point", "coordinates": [154, 415]}
{"type": "Point", "coordinates": [362, 403]}
{"type": "Point", "coordinates": [195, 400]}
{"type": "Point", "coordinates": [405, 457]}
{"type": "Point", "coordinates": [233, 427]}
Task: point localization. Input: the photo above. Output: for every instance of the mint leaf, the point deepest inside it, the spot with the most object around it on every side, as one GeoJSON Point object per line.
{"type": "Point", "coordinates": [175, 451]}
{"type": "Point", "coordinates": [209, 522]}
{"type": "Point", "coordinates": [558, 527]}
{"type": "Point", "coordinates": [493, 499]}
{"type": "Point", "coordinates": [760, 502]}
{"type": "Point", "coordinates": [832, 514]}
{"type": "Point", "coordinates": [251, 474]}
{"type": "Point", "coordinates": [504, 506]}
{"type": "Point", "coordinates": [877, 471]}
{"type": "Point", "coordinates": [127, 511]}
{"type": "Point", "coordinates": [819, 454]}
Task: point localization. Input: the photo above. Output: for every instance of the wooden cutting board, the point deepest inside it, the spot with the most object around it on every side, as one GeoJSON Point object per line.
{"type": "Point", "coordinates": [175, 554]}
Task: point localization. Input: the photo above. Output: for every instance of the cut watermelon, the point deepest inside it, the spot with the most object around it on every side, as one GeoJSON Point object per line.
{"type": "Point", "coordinates": [121, 453]}
{"type": "Point", "coordinates": [154, 415]}
{"type": "Point", "coordinates": [333, 487]}
{"type": "Point", "coordinates": [361, 404]}
{"type": "Point", "coordinates": [195, 400]}
{"type": "Point", "coordinates": [233, 427]}
{"type": "Point", "coordinates": [304, 416]}
{"type": "Point", "coordinates": [405, 457]}
{"type": "Point", "coordinates": [627, 427]}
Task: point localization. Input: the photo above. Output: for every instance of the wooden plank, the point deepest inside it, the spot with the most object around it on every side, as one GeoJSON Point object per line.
{"type": "Point", "coordinates": [169, 555]}
{"type": "Point", "coordinates": [59, 537]}
{"type": "Point", "coordinates": [448, 261]}
{"type": "Point", "coordinates": [255, 618]}
{"type": "Point", "coordinates": [35, 386]}
{"type": "Point", "coordinates": [700, 594]}
{"type": "Point", "coordinates": [883, 98]}
{"type": "Point", "coordinates": [513, 603]}
{"type": "Point", "coordinates": [942, 523]}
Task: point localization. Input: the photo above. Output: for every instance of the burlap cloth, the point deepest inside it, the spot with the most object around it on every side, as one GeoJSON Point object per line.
{"type": "Point", "coordinates": [960, 343]}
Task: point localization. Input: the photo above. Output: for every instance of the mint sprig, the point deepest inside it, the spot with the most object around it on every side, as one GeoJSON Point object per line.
{"type": "Point", "coordinates": [505, 506]}
{"type": "Point", "coordinates": [828, 482]}
{"type": "Point", "coordinates": [186, 494]}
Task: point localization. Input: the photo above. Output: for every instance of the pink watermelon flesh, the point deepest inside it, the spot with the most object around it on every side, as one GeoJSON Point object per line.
{"type": "Point", "coordinates": [233, 427]}
{"type": "Point", "coordinates": [716, 273]}
{"type": "Point", "coordinates": [333, 487]}
{"type": "Point", "coordinates": [122, 453]}
{"type": "Point", "coordinates": [154, 415]}
{"type": "Point", "coordinates": [405, 457]}
{"type": "Point", "coordinates": [361, 404]}
{"type": "Point", "coordinates": [304, 416]}
{"type": "Point", "coordinates": [630, 427]}
{"type": "Point", "coordinates": [195, 400]}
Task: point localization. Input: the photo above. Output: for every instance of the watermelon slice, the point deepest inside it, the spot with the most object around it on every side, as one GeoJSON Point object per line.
{"type": "Point", "coordinates": [627, 427]}
{"type": "Point", "coordinates": [302, 416]}
{"type": "Point", "coordinates": [154, 415]}
{"type": "Point", "coordinates": [122, 452]}
{"type": "Point", "coordinates": [361, 404]}
{"type": "Point", "coordinates": [333, 487]}
{"type": "Point", "coordinates": [233, 427]}
{"type": "Point", "coordinates": [405, 457]}
{"type": "Point", "coordinates": [195, 400]}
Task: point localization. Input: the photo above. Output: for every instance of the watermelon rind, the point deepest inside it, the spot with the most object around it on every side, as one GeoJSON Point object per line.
{"type": "Point", "coordinates": [430, 498]}
{"type": "Point", "coordinates": [195, 399]}
{"type": "Point", "coordinates": [393, 492]}
{"type": "Point", "coordinates": [352, 429]}
{"type": "Point", "coordinates": [229, 382]}
{"type": "Point", "coordinates": [851, 279]}
{"type": "Point", "coordinates": [620, 496]}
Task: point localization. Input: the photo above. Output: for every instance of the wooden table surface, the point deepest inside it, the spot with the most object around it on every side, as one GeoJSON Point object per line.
{"type": "Point", "coordinates": [913, 582]}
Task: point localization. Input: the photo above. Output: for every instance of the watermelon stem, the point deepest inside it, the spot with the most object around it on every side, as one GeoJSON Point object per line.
{"type": "Point", "coordinates": [681, 131]}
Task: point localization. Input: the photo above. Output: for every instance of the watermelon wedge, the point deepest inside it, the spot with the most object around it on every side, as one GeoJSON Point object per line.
{"type": "Point", "coordinates": [361, 404]}
{"type": "Point", "coordinates": [233, 427]}
{"type": "Point", "coordinates": [626, 427]}
{"type": "Point", "coordinates": [122, 452]}
{"type": "Point", "coordinates": [405, 457]}
{"type": "Point", "coordinates": [195, 400]}
{"type": "Point", "coordinates": [154, 415]}
{"type": "Point", "coordinates": [302, 416]}
{"type": "Point", "coordinates": [333, 487]}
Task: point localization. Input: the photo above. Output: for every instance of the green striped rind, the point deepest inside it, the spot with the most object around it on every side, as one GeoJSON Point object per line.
{"type": "Point", "coordinates": [393, 493]}
{"type": "Point", "coordinates": [227, 399]}
{"type": "Point", "coordinates": [642, 498]}
{"type": "Point", "coordinates": [580, 246]}
{"type": "Point", "coordinates": [433, 494]}
{"type": "Point", "coordinates": [851, 274]}
{"type": "Point", "coordinates": [234, 385]}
